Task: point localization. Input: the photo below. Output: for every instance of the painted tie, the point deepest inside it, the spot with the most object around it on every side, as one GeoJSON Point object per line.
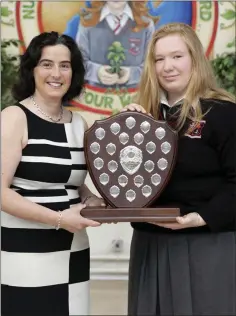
{"type": "Point", "coordinates": [118, 24]}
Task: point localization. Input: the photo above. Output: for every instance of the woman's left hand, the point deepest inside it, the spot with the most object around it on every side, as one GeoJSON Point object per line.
{"type": "Point", "coordinates": [95, 201]}
{"type": "Point", "coordinates": [186, 221]}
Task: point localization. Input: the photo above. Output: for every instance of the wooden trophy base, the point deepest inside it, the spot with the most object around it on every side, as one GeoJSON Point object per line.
{"type": "Point", "coordinates": [109, 214]}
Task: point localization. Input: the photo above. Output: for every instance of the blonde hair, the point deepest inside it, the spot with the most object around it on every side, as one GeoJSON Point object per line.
{"type": "Point", "coordinates": [202, 83]}
{"type": "Point", "coordinates": [139, 10]}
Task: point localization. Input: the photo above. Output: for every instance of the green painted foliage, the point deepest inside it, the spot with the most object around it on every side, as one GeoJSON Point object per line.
{"type": "Point", "coordinates": [225, 70]}
{"type": "Point", "coordinates": [116, 56]}
{"type": "Point", "coordinates": [9, 69]}
{"type": "Point", "coordinates": [229, 14]}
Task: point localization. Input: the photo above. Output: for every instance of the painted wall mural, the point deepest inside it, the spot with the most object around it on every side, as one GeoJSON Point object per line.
{"type": "Point", "coordinates": [114, 45]}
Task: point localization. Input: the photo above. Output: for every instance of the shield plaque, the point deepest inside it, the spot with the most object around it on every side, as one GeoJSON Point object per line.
{"type": "Point", "coordinates": [130, 158]}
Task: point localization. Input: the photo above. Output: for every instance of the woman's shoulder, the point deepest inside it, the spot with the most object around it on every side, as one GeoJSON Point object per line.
{"type": "Point", "coordinates": [13, 122]}
{"type": "Point", "coordinates": [14, 113]}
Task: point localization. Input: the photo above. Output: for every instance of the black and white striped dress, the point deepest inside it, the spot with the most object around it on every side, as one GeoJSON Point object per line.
{"type": "Point", "coordinates": [45, 271]}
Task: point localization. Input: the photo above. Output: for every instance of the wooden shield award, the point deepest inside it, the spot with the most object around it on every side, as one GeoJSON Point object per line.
{"type": "Point", "coordinates": [130, 157]}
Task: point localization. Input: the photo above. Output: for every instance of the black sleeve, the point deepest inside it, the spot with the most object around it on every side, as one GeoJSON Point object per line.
{"type": "Point", "coordinates": [220, 212]}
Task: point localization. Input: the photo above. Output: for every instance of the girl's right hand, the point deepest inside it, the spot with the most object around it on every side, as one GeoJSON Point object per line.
{"type": "Point", "coordinates": [72, 221]}
{"type": "Point", "coordinates": [134, 107]}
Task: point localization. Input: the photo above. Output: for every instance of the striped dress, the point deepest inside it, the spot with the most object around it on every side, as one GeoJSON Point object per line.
{"type": "Point", "coordinates": [45, 271]}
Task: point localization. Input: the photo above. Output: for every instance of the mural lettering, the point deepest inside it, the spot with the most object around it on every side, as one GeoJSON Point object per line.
{"type": "Point", "coordinates": [29, 10]}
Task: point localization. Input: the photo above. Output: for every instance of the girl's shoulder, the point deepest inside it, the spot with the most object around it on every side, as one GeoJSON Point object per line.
{"type": "Point", "coordinates": [220, 115]}
{"type": "Point", "coordinates": [218, 107]}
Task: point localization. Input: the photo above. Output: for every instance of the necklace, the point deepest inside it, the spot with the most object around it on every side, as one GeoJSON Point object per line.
{"type": "Point", "coordinates": [47, 115]}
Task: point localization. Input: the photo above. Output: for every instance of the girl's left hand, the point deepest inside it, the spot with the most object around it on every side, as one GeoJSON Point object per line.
{"type": "Point", "coordinates": [186, 221]}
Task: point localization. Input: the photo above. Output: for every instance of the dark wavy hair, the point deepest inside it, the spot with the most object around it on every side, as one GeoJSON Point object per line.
{"type": "Point", "coordinates": [25, 85]}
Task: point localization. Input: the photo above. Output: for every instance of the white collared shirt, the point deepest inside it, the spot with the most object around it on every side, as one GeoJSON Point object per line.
{"type": "Point", "coordinates": [109, 16]}
{"type": "Point", "coordinates": [163, 99]}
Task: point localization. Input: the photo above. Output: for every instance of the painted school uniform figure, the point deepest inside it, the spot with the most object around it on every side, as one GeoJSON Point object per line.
{"type": "Point", "coordinates": [121, 28]}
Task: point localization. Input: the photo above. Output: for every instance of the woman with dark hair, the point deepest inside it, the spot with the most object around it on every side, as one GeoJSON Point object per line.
{"type": "Point", "coordinates": [45, 249]}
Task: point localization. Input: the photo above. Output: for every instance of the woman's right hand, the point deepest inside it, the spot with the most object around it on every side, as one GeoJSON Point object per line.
{"type": "Point", "coordinates": [134, 107]}
{"type": "Point", "coordinates": [72, 221]}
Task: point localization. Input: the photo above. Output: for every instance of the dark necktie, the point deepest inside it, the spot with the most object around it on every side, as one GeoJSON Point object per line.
{"type": "Point", "coordinates": [171, 115]}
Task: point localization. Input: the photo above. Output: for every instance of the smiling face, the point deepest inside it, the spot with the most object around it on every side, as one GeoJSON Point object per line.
{"type": "Point", "coordinates": [53, 73]}
{"type": "Point", "coordinates": [173, 65]}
